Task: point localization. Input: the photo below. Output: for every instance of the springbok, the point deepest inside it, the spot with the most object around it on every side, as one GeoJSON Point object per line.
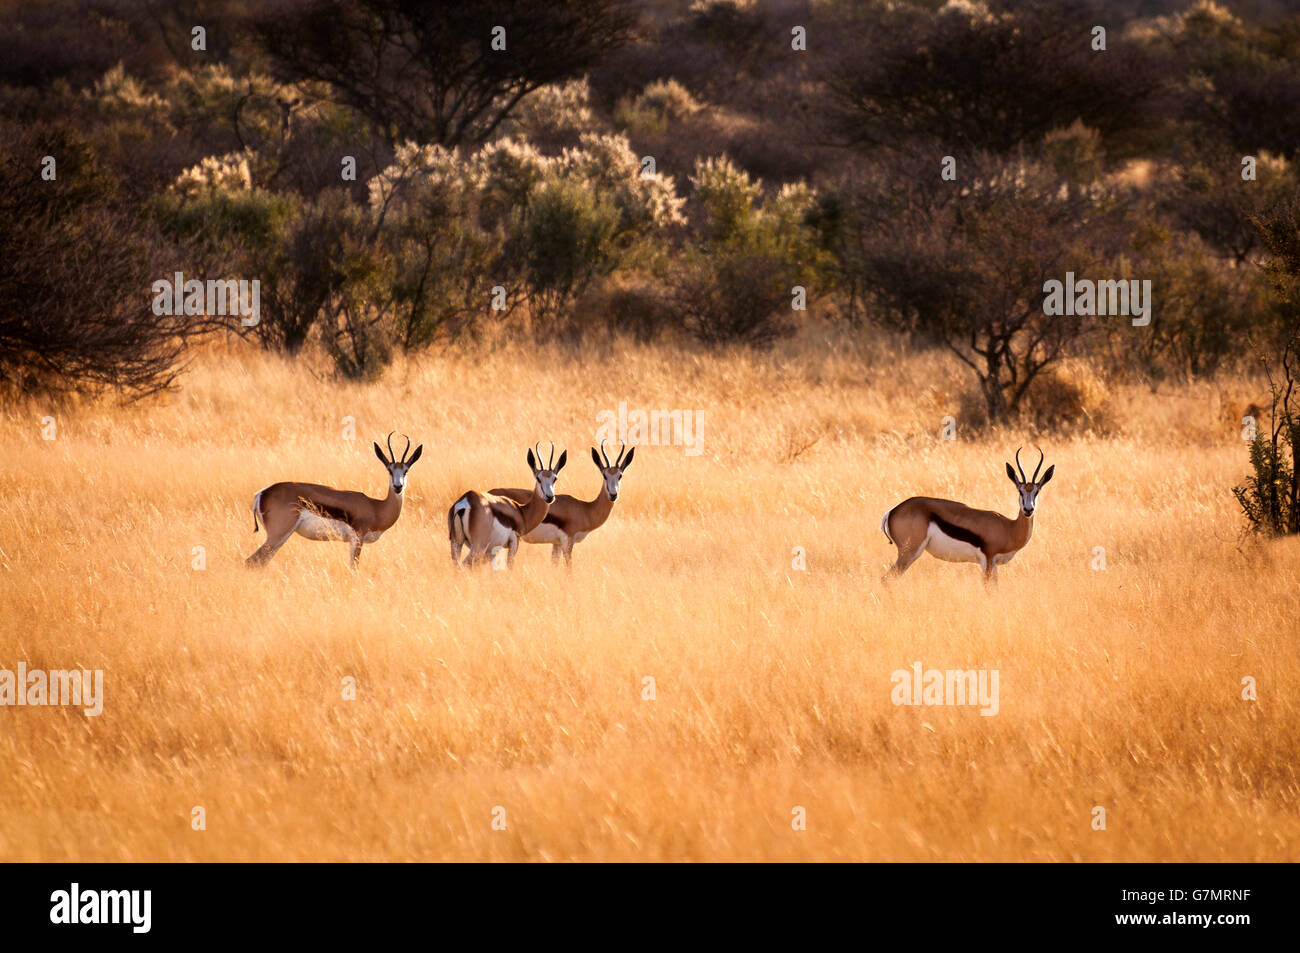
{"type": "Point", "coordinates": [324, 513]}
{"type": "Point", "coordinates": [485, 522]}
{"type": "Point", "coordinates": [957, 533]}
{"type": "Point", "coordinates": [571, 520]}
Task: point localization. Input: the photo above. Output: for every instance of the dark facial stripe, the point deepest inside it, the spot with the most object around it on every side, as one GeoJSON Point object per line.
{"type": "Point", "coordinates": [959, 532]}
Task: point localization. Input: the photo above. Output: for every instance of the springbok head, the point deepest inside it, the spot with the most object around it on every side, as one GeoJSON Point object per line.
{"type": "Point", "coordinates": [545, 475]}
{"type": "Point", "coordinates": [397, 468]}
{"type": "Point", "coordinates": [1029, 487]}
{"type": "Point", "coordinates": [612, 473]}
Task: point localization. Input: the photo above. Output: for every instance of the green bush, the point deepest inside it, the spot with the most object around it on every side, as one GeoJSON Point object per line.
{"type": "Point", "coordinates": [1268, 498]}
{"type": "Point", "coordinates": [543, 227]}
{"type": "Point", "coordinates": [660, 103]}
{"type": "Point", "coordinates": [735, 285]}
{"type": "Point", "coordinates": [562, 241]}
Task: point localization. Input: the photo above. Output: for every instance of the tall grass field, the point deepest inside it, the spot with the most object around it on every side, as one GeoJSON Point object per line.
{"type": "Point", "coordinates": [713, 679]}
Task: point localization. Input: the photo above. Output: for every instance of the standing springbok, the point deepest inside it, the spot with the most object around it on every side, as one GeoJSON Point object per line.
{"type": "Point", "coordinates": [485, 522]}
{"type": "Point", "coordinates": [957, 533]}
{"type": "Point", "coordinates": [571, 520]}
{"type": "Point", "coordinates": [324, 513]}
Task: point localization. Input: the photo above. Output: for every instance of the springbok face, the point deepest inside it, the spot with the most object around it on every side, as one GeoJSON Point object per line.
{"type": "Point", "coordinates": [545, 476]}
{"type": "Point", "coordinates": [397, 468]}
{"type": "Point", "coordinates": [1029, 487]}
{"type": "Point", "coordinates": [612, 473]}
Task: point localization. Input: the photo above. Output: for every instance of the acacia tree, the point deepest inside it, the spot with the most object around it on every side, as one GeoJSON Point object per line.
{"type": "Point", "coordinates": [963, 266]}
{"type": "Point", "coordinates": [429, 72]}
{"type": "Point", "coordinates": [983, 76]}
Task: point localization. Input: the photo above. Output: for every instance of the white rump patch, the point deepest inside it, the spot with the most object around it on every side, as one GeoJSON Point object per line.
{"type": "Point", "coordinates": [460, 521]}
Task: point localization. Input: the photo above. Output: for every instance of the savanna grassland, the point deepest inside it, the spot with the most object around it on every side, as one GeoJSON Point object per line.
{"type": "Point", "coordinates": [1120, 687]}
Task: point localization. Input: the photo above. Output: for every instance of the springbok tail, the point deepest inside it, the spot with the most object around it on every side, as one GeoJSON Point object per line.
{"type": "Point", "coordinates": [458, 526]}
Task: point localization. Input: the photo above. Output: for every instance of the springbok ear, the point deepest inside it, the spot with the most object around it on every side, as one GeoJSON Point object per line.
{"type": "Point", "coordinates": [627, 460]}
{"type": "Point", "coordinates": [595, 458]}
{"type": "Point", "coordinates": [564, 455]}
{"type": "Point", "coordinates": [415, 456]}
{"type": "Point", "coordinates": [532, 464]}
{"type": "Point", "coordinates": [1012, 474]}
{"type": "Point", "coordinates": [1047, 476]}
{"type": "Point", "coordinates": [380, 454]}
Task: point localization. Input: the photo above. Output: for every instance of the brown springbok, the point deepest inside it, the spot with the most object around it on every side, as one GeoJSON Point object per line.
{"type": "Point", "coordinates": [324, 513]}
{"type": "Point", "coordinates": [571, 520]}
{"type": "Point", "coordinates": [486, 522]}
{"type": "Point", "coordinates": [957, 533]}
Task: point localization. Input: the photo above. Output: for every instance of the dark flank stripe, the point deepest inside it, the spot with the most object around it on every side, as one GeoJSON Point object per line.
{"type": "Point", "coordinates": [959, 532]}
{"type": "Point", "coordinates": [330, 512]}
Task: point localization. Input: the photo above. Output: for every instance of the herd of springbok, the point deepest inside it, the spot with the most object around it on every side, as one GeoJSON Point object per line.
{"type": "Point", "coordinates": [483, 522]}
{"type": "Point", "coordinates": [487, 523]}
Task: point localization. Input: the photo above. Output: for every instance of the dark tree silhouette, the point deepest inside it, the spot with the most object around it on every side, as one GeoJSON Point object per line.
{"type": "Point", "coordinates": [1270, 497]}
{"type": "Point", "coordinates": [427, 71]}
{"type": "Point", "coordinates": [991, 83]}
{"type": "Point", "coordinates": [75, 273]}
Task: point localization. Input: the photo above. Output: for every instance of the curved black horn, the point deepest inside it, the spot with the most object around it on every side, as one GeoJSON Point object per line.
{"type": "Point", "coordinates": [550, 464]}
{"type": "Point", "coordinates": [538, 447]}
{"type": "Point", "coordinates": [406, 449]}
{"type": "Point", "coordinates": [621, 450]}
{"type": "Point", "coordinates": [1040, 464]}
{"type": "Point", "coordinates": [1019, 467]}
{"type": "Point", "coordinates": [391, 456]}
{"type": "Point", "coordinates": [604, 454]}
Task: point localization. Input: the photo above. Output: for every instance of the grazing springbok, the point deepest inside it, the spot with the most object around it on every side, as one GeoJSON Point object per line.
{"type": "Point", "coordinates": [570, 520]}
{"type": "Point", "coordinates": [957, 533]}
{"type": "Point", "coordinates": [324, 513]}
{"type": "Point", "coordinates": [486, 522]}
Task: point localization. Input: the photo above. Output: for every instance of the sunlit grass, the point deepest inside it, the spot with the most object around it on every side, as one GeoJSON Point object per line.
{"type": "Point", "coordinates": [1120, 687]}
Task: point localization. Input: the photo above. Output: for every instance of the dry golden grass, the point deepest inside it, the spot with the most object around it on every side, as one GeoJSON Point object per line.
{"type": "Point", "coordinates": [1119, 688]}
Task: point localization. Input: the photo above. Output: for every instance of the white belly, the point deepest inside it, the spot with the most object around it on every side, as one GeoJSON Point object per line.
{"type": "Point", "coordinates": [942, 546]}
{"type": "Point", "coordinates": [545, 533]}
{"type": "Point", "coordinates": [320, 528]}
{"type": "Point", "coordinates": [500, 535]}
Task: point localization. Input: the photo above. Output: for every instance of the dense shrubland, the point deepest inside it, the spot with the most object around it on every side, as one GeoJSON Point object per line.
{"type": "Point", "coordinates": [672, 171]}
